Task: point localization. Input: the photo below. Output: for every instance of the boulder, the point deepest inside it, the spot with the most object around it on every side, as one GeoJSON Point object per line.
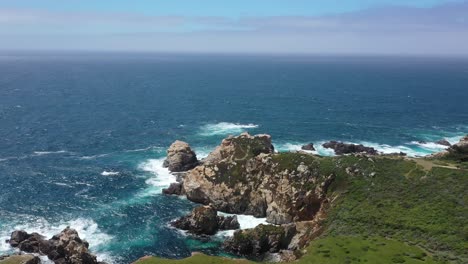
{"type": "Point", "coordinates": [228, 223]}
{"type": "Point", "coordinates": [308, 147]}
{"type": "Point", "coordinates": [174, 189]}
{"type": "Point", "coordinates": [443, 142]}
{"type": "Point", "coordinates": [180, 157]}
{"type": "Point", "coordinates": [341, 148]}
{"type": "Point", "coordinates": [203, 220]}
{"type": "Point", "coordinates": [255, 243]}
{"type": "Point", "coordinates": [461, 147]}
{"type": "Point", "coordinates": [64, 248]}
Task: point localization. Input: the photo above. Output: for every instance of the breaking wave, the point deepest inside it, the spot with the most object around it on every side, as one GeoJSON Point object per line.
{"type": "Point", "coordinates": [225, 128]}
{"type": "Point", "coordinates": [87, 229]}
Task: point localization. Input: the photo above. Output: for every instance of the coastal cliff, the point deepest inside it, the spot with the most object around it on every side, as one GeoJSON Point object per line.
{"type": "Point", "coordinates": [308, 197]}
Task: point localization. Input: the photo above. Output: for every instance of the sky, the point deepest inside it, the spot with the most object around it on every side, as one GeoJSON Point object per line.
{"type": "Point", "coordinates": [420, 27]}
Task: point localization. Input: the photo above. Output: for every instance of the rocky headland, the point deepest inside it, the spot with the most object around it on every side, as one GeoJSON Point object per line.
{"type": "Point", "coordinates": [244, 175]}
{"type": "Point", "coordinates": [304, 197]}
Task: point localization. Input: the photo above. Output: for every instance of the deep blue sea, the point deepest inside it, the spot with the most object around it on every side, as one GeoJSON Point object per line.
{"type": "Point", "coordinates": [83, 136]}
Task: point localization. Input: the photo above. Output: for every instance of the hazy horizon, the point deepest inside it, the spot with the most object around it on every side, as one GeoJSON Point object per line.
{"type": "Point", "coordinates": [358, 27]}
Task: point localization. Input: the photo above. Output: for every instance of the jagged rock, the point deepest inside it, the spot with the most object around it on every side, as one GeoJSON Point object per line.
{"type": "Point", "coordinates": [341, 148]}
{"type": "Point", "coordinates": [244, 176]}
{"type": "Point", "coordinates": [254, 243]}
{"type": "Point", "coordinates": [180, 157]}
{"type": "Point", "coordinates": [461, 147]}
{"type": "Point", "coordinates": [64, 248]}
{"type": "Point", "coordinates": [444, 142]}
{"type": "Point", "coordinates": [309, 147]}
{"type": "Point", "coordinates": [228, 222]}
{"type": "Point", "coordinates": [174, 189]}
{"type": "Point", "coordinates": [204, 220]}
{"type": "Point", "coordinates": [240, 148]}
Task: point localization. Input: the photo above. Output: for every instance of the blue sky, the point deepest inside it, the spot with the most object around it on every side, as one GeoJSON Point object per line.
{"type": "Point", "coordinates": [216, 7]}
{"type": "Point", "coordinates": [253, 26]}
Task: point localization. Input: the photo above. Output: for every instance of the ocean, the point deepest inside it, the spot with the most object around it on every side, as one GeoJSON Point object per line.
{"type": "Point", "coordinates": [83, 135]}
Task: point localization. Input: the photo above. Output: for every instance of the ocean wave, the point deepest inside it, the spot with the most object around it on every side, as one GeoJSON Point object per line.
{"type": "Point", "coordinates": [245, 222]}
{"type": "Point", "coordinates": [292, 147]}
{"type": "Point", "coordinates": [42, 153]}
{"type": "Point", "coordinates": [225, 128]}
{"type": "Point", "coordinates": [412, 149]}
{"type": "Point", "coordinates": [86, 228]}
{"type": "Point", "coordinates": [110, 173]}
{"type": "Point", "coordinates": [94, 156]}
{"type": "Point", "coordinates": [161, 179]}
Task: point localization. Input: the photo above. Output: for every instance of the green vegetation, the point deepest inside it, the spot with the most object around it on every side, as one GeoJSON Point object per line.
{"type": "Point", "coordinates": [346, 250]}
{"type": "Point", "coordinates": [195, 259]}
{"type": "Point", "coordinates": [384, 210]}
{"type": "Point", "coordinates": [405, 203]}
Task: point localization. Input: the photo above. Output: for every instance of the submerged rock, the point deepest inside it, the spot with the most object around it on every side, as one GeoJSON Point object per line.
{"type": "Point", "coordinates": [309, 147]}
{"type": "Point", "coordinates": [64, 248]}
{"type": "Point", "coordinates": [341, 148]}
{"type": "Point", "coordinates": [180, 157]}
{"type": "Point", "coordinates": [204, 220]}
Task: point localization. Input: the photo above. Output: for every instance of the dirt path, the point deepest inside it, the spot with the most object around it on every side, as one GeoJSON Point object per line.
{"type": "Point", "coordinates": [428, 164]}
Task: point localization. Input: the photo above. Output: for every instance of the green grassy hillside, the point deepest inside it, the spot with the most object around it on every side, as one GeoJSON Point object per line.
{"type": "Point", "coordinates": [384, 210]}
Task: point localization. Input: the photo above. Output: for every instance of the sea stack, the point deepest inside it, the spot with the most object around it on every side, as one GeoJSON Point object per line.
{"type": "Point", "coordinates": [180, 157]}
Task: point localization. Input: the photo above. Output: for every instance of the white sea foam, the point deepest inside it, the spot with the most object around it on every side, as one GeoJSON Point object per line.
{"type": "Point", "coordinates": [245, 222]}
{"type": "Point", "coordinates": [110, 173]}
{"type": "Point", "coordinates": [162, 178]}
{"type": "Point", "coordinates": [224, 128]}
{"type": "Point", "coordinates": [42, 153]}
{"type": "Point", "coordinates": [94, 156]}
{"type": "Point", "coordinates": [87, 229]}
{"type": "Point", "coordinates": [412, 149]}
{"type": "Point", "coordinates": [295, 146]}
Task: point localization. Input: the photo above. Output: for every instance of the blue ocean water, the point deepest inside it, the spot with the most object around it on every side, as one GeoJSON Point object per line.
{"type": "Point", "coordinates": [83, 136]}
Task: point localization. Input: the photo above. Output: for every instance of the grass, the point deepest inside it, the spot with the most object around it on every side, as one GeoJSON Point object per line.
{"type": "Point", "coordinates": [197, 258]}
{"type": "Point", "coordinates": [384, 210]}
{"type": "Point", "coordinates": [347, 250]}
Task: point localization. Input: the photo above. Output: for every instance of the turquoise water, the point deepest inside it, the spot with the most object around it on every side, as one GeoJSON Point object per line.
{"type": "Point", "coordinates": [83, 136]}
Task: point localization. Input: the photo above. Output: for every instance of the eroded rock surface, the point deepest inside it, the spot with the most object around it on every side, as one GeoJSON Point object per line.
{"type": "Point", "coordinates": [244, 176]}
{"type": "Point", "coordinates": [64, 248]}
{"type": "Point", "coordinates": [180, 157]}
{"type": "Point", "coordinates": [204, 220]}
{"type": "Point", "coordinates": [255, 242]}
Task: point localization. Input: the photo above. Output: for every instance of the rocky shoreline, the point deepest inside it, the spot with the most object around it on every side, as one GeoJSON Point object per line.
{"type": "Point", "coordinates": [243, 175]}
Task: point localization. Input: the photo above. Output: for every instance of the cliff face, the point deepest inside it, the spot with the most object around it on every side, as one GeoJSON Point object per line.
{"type": "Point", "coordinates": [244, 176]}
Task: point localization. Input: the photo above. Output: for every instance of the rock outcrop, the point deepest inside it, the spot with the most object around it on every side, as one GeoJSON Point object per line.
{"type": "Point", "coordinates": [64, 248]}
{"type": "Point", "coordinates": [256, 242]}
{"type": "Point", "coordinates": [341, 148]}
{"type": "Point", "coordinates": [461, 147]}
{"type": "Point", "coordinates": [204, 220]}
{"type": "Point", "coordinates": [180, 157]}
{"type": "Point", "coordinates": [174, 189]}
{"type": "Point", "coordinates": [443, 142]}
{"type": "Point", "coordinates": [308, 147]}
{"type": "Point", "coordinates": [244, 176]}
